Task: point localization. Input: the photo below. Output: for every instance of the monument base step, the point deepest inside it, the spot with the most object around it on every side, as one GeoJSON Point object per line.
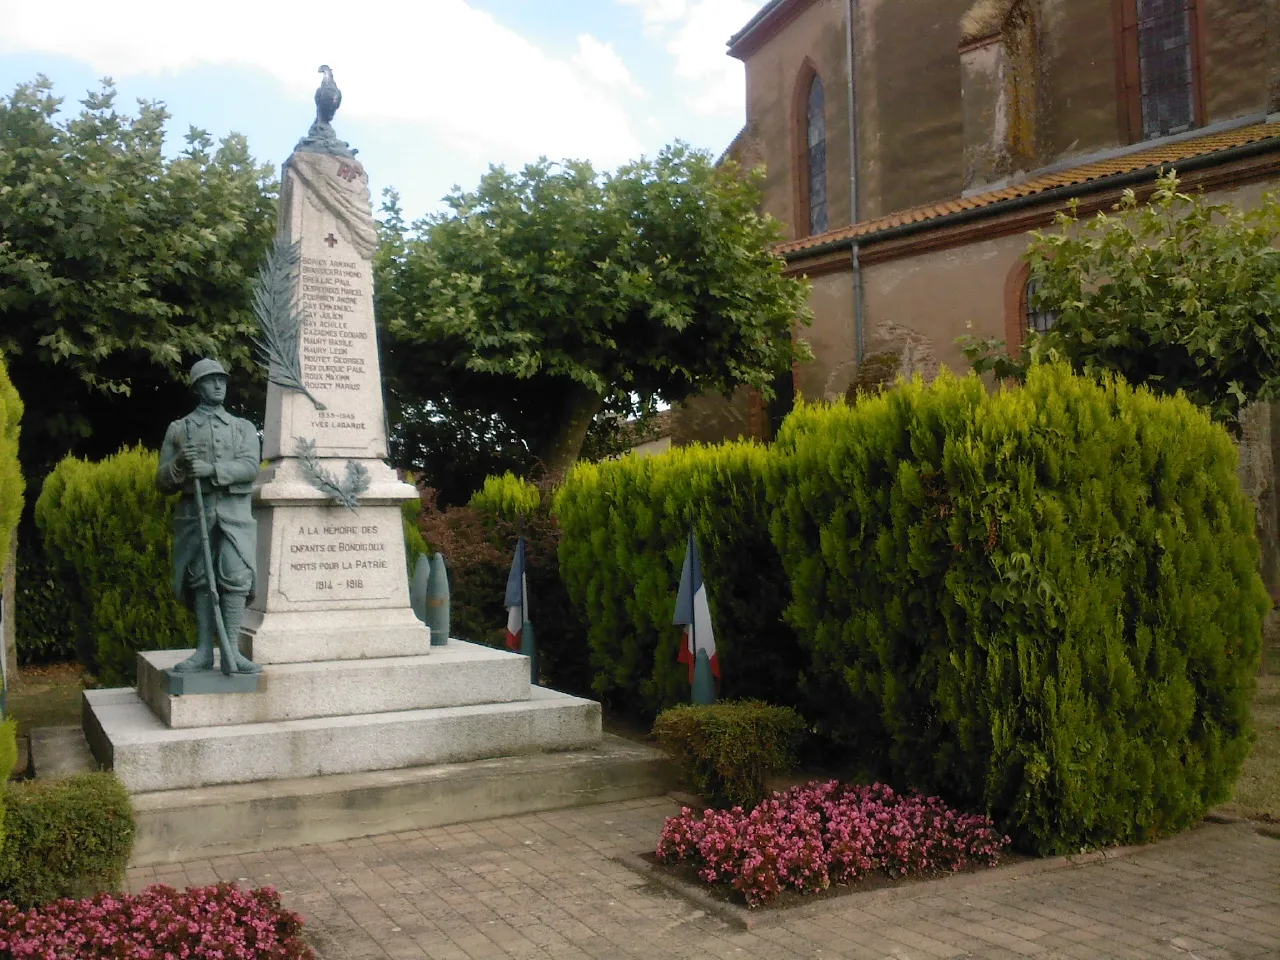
{"type": "Point", "coordinates": [178, 825]}
{"type": "Point", "coordinates": [146, 755]}
{"type": "Point", "coordinates": [453, 675]}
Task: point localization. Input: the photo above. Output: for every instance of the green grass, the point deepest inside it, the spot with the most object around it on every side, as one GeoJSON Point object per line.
{"type": "Point", "coordinates": [46, 696]}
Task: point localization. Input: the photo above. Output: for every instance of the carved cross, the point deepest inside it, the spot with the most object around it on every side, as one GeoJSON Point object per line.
{"type": "Point", "coordinates": [331, 240]}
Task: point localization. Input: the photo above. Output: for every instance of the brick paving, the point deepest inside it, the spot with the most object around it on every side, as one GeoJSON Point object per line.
{"type": "Point", "coordinates": [544, 887]}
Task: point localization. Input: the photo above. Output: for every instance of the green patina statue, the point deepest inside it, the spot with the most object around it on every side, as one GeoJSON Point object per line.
{"type": "Point", "coordinates": [211, 458]}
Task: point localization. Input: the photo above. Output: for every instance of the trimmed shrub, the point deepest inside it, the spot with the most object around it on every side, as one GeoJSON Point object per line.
{"type": "Point", "coordinates": [107, 530]}
{"type": "Point", "coordinates": [1044, 602]}
{"type": "Point", "coordinates": [64, 838]}
{"type": "Point", "coordinates": [625, 526]}
{"type": "Point", "coordinates": [11, 482]}
{"type": "Point", "coordinates": [726, 750]}
{"type": "Point", "coordinates": [200, 923]}
{"type": "Point", "coordinates": [506, 497]}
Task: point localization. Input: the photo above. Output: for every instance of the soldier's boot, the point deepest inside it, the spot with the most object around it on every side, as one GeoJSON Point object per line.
{"type": "Point", "coordinates": [232, 616]}
{"type": "Point", "coordinates": [202, 659]}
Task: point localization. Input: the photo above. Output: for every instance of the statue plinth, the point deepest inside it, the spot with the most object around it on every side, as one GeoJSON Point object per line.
{"type": "Point", "coordinates": [319, 558]}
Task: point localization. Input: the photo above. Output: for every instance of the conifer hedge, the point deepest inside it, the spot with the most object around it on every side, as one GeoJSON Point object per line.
{"type": "Point", "coordinates": [11, 483]}
{"type": "Point", "coordinates": [107, 531]}
{"type": "Point", "coordinates": [624, 527]}
{"type": "Point", "coordinates": [1042, 602]}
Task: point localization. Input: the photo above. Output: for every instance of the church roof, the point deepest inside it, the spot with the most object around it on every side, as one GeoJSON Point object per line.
{"type": "Point", "coordinates": [1097, 172]}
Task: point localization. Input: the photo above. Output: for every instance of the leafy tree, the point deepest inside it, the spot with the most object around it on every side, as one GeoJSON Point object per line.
{"type": "Point", "coordinates": [546, 297]}
{"type": "Point", "coordinates": [451, 449]}
{"type": "Point", "coordinates": [119, 267]}
{"type": "Point", "coordinates": [1178, 294]}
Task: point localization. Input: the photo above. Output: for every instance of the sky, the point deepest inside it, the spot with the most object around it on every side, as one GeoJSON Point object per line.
{"type": "Point", "coordinates": [434, 91]}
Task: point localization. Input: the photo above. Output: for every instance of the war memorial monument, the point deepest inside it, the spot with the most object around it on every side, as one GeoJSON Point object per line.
{"type": "Point", "coordinates": [323, 674]}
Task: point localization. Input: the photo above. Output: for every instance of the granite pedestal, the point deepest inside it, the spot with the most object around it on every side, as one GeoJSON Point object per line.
{"type": "Point", "coordinates": [461, 702]}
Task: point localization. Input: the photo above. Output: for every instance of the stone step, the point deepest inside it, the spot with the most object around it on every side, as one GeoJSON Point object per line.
{"type": "Point", "coordinates": [310, 636]}
{"type": "Point", "coordinates": [204, 822]}
{"type": "Point", "coordinates": [453, 675]}
{"type": "Point", "coordinates": [127, 737]}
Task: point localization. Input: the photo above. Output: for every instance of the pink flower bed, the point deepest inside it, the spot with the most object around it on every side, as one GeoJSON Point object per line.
{"type": "Point", "coordinates": [811, 837]}
{"type": "Point", "coordinates": [201, 923]}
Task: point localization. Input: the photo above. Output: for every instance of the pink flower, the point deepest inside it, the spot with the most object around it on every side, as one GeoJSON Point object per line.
{"type": "Point", "coordinates": [823, 833]}
{"type": "Point", "coordinates": [202, 923]}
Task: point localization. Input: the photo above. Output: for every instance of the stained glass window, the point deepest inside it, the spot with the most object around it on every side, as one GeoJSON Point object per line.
{"type": "Point", "coordinates": [816, 128]}
{"type": "Point", "coordinates": [1165, 66]}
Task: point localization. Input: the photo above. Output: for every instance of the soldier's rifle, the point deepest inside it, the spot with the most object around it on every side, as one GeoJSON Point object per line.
{"type": "Point", "coordinates": [224, 644]}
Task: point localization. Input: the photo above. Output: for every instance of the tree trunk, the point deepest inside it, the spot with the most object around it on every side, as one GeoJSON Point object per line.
{"type": "Point", "coordinates": [580, 407]}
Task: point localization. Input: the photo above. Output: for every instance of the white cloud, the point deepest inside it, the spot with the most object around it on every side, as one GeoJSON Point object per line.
{"type": "Point", "coordinates": [480, 86]}
{"type": "Point", "coordinates": [659, 13]}
{"type": "Point", "coordinates": [694, 33]}
{"type": "Point", "coordinates": [600, 62]}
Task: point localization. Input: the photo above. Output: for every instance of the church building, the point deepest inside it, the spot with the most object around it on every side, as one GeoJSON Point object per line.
{"type": "Point", "coordinates": [910, 145]}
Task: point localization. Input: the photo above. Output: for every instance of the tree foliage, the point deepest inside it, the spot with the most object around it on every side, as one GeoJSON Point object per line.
{"type": "Point", "coordinates": [546, 296]}
{"type": "Point", "coordinates": [119, 266]}
{"type": "Point", "coordinates": [1178, 294]}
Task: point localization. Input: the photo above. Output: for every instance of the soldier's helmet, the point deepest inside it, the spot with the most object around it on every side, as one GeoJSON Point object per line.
{"type": "Point", "coordinates": [206, 368]}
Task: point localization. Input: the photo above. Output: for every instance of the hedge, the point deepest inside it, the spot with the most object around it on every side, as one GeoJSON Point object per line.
{"type": "Point", "coordinates": [8, 760]}
{"type": "Point", "coordinates": [1043, 602]}
{"type": "Point", "coordinates": [108, 533]}
{"type": "Point", "coordinates": [11, 483]}
{"type": "Point", "coordinates": [64, 838]}
{"type": "Point", "coordinates": [625, 527]}
{"type": "Point", "coordinates": [44, 629]}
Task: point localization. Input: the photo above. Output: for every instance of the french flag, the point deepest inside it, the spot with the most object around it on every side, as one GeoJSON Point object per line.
{"type": "Point", "coordinates": [693, 613]}
{"type": "Point", "coordinates": [517, 598]}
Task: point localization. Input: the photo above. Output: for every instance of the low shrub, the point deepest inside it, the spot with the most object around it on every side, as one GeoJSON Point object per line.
{"type": "Point", "coordinates": [726, 750]}
{"type": "Point", "coordinates": [220, 922]}
{"type": "Point", "coordinates": [625, 524]}
{"type": "Point", "coordinates": [811, 837]}
{"type": "Point", "coordinates": [64, 838]}
{"type": "Point", "coordinates": [108, 532]}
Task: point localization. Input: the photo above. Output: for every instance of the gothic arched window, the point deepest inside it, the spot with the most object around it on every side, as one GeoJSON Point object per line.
{"type": "Point", "coordinates": [816, 156]}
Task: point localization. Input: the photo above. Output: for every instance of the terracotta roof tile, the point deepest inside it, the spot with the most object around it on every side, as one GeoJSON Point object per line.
{"type": "Point", "coordinates": [1168, 153]}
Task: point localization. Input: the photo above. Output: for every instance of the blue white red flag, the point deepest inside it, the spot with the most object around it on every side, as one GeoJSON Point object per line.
{"type": "Point", "coordinates": [517, 601]}
{"type": "Point", "coordinates": [693, 613]}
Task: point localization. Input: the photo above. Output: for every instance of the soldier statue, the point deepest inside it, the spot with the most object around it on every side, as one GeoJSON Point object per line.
{"type": "Point", "coordinates": [212, 459]}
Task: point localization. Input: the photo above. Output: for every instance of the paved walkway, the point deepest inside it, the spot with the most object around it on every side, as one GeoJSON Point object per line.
{"type": "Point", "coordinates": [543, 887]}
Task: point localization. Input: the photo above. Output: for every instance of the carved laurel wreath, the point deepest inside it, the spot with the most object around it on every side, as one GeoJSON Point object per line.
{"type": "Point", "coordinates": [345, 492]}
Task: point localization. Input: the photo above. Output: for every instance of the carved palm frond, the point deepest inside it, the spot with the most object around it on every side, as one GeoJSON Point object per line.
{"type": "Point", "coordinates": [275, 304]}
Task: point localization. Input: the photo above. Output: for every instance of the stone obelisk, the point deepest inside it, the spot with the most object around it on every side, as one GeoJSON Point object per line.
{"type": "Point", "coordinates": [334, 580]}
